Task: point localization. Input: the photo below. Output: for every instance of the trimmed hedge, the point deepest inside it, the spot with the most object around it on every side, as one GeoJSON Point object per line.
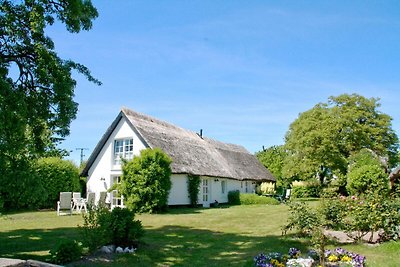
{"type": "Point", "coordinates": [305, 191]}
{"type": "Point", "coordinates": [236, 198]}
{"type": "Point", "coordinates": [250, 199]}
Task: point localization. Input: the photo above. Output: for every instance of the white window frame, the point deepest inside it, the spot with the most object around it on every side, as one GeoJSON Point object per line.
{"type": "Point", "coordinates": [117, 200]}
{"type": "Point", "coordinates": [123, 149]}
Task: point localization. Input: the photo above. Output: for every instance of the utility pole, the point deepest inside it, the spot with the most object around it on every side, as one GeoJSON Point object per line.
{"type": "Point", "coordinates": [82, 153]}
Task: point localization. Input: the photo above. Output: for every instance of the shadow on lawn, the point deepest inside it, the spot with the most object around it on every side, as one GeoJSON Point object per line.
{"type": "Point", "coordinates": [185, 246]}
{"type": "Point", "coordinates": [33, 243]}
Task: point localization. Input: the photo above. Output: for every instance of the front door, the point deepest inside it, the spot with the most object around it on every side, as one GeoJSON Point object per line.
{"type": "Point", "coordinates": [205, 184]}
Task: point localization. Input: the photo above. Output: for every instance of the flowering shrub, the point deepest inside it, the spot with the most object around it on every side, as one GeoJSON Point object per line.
{"type": "Point", "coordinates": [335, 258]}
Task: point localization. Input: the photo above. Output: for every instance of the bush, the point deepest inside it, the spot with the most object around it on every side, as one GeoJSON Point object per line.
{"type": "Point", "coordinates": [146, 181]}
{"type": "Point", "coordinates": [249, 199]}
{"type": "Point", "coordinates": [305, 191]}
{"type": "Point", "coordinates": [366, 179]}
{"type": "Point", "coordinates": [56, 175]}
{"type": "Point", "coordinates": [20, 187]}
{"type": "Point", "coordinates": [67, 251]}
{"type": "Point", "coordinates": [124, 230]}
{"type": "Point", "coordinates": [117, 227]}
{"type": "Point", "coordinates": [234, 197]}
{"type": "Point", "coordinates": [333, 212]}
{"type": "Point", "coordinates": [94, 230]}
{"type": "Point", "coordinates": [302, 218]}
{"type": "Point", "coordinates": [366, 174]}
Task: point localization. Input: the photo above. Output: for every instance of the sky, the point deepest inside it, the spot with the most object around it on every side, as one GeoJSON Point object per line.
{"type": "Point", "coordinates": [240, 70]}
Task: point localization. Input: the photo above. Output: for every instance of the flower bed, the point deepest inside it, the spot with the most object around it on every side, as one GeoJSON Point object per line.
{"type": "Point", "coordinates": [334, 258]}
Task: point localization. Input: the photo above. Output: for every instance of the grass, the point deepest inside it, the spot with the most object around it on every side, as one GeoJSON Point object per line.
{"type": "Point", "coordinates": [182, 237]}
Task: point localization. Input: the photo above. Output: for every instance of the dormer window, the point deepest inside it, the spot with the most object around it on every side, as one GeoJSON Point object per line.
{"type": "Point", "coordinates": [123, 149]}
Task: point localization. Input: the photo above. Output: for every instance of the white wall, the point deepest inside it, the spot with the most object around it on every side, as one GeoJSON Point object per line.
{"type": "Point", "coordinates": [102, 169]}
{"type": "Point", "coordinates": [179, 194]}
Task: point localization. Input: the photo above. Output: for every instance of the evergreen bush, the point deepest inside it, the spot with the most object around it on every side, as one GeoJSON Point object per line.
{"type": "Point", "coordinates": [146, 181]}
{"type": "Point", "coordinates": [234, 197]}
{"type": "Point", "coordinates": [67, 251]}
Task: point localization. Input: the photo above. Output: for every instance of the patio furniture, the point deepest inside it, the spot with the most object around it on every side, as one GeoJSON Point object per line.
{"type": "Point", "coordinates": [102, 199]}
{"type": "Point", "coordinates": [64, 204]}
{"type": "Point", "coordinates": [284, 196]}
{"type": "Point", "coordinates": [76, 201]}
{"type": "Point", "coordinates": [90, 200]}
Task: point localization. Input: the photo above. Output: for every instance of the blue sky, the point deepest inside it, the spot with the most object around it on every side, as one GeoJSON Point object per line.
{"type": "Point", "coordinates": [240, 70]}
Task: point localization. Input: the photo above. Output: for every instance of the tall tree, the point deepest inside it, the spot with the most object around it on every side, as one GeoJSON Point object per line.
{"type": "Point", "coordinates": [36, 85]}
{"type": "Point", "coordinates": [273, 159]}
{"type": "Point", "coordinates": [321, 139]}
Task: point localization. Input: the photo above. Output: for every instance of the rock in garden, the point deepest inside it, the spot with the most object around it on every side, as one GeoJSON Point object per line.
{"type": "Point", "coordinates": [119, 250]}
{"type": "Point", "coordinates": [107, 249]}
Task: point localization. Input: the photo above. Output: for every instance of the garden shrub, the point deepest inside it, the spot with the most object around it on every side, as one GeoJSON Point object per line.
{"type": "Point", "coordinates": [234, 197]}
{"type": "Point", "coordinates": [146, 181]}
{"type": "Point", "coordinates": [370, 213]}
{"type": "Point", "coordinates": [124, 230]}
{"type": "Point", "coordinates": [267, 188]}
{"type": "Point", "coordinates": [333, 211]}
{"type": "Point", "coordinates": [193, 189]}
{"type": "Point", "coordinates": [366, 179]}
{"type": "Point", "coordinates": [306, 191]}
{"type": "Point", "coordinates": [20, 187]}
{"type": "Point", "coordinates": [56, 175]}
{"type": "Point", "coordinates": [67, 251]}
{"type": "Point", "coordinates": [117, 227]}
{"type": "Point", "coordinates": [366, 174]}
{"type": "Point", "coordinates": [302, 218]}
{"type": "Point", "coordinates": [94, 229]}
{"type": "Point", "coordinates": [249, 199]}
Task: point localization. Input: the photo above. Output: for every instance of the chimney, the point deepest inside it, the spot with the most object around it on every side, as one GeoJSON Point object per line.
{"type": "Point", "coordinates": [200, 134]}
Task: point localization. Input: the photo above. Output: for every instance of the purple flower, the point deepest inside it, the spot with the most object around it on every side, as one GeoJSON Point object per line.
{"type": "Point", "coordinates": [294, 252]}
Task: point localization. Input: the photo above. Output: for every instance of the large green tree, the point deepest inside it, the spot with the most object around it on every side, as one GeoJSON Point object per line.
{"type": "Point", "coordinates": [321, 139]}
{"type": "Point", "coordinates": [273, 159]}
{"type": "Point", "coordinates": [36, 85]}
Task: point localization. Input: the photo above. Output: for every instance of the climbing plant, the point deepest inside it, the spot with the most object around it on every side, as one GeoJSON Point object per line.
{"type": "Point", "coordinates": [193, 188]}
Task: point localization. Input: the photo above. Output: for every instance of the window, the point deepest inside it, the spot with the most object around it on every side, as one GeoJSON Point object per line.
{"type": "Point", "coordinates": [247, 187]}
{"type": "Point", "coordinates": [205, 190]}
{"type": "Point", "coordinates": [223, 187]}
{"type": "Point", "coordinates": [123, 149]}
{"type": "Point", "coordinates": [116, 198]}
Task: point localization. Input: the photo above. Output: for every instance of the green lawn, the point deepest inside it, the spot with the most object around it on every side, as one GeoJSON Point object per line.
{"type": "Point", "coordinates": [183, 237]}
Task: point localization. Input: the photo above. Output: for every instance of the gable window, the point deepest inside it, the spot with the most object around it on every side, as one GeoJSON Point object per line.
{"type": "Point", "coordinates": [123, 149]}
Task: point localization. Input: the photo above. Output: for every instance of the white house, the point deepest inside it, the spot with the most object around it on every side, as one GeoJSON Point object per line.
{"type": "Point", "coordinates": [221, 167]}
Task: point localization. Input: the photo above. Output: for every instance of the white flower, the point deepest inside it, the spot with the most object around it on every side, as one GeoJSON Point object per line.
{"type": "Point", "coordinates": [299, 262]}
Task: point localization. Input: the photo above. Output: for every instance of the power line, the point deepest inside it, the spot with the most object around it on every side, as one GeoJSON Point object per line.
{"type": "Point", "coordinates": [82, 153]}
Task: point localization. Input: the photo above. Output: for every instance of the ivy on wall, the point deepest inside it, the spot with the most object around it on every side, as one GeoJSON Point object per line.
{"type": "Point", "coordinates": [193, 188]}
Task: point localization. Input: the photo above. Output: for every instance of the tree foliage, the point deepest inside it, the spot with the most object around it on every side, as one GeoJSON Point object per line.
{"type": "Point", "coordinates": [366, 174]}
{"type": "Point", "coordinates": [56, 175]}
{"type": "Point", "coordinates": [273, 159]}
{"type": "Point", "coordinates": [36, 85]}
{"type": "Point", "coordinates": [146, 181]}
{"type": "Point", "coordinates": [321, 139]}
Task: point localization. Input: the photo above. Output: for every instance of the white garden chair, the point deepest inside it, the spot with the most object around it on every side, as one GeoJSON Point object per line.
{"type": "Point", "coordinates": [77, 201]}
{"type": "Point", "coordinates": [65, 203]}
{"type": "Point", "coordinates": [90, 200]}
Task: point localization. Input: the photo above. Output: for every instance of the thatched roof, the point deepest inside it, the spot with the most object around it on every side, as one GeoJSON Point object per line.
{"type": "Point", "coordinates": [191, 153]}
